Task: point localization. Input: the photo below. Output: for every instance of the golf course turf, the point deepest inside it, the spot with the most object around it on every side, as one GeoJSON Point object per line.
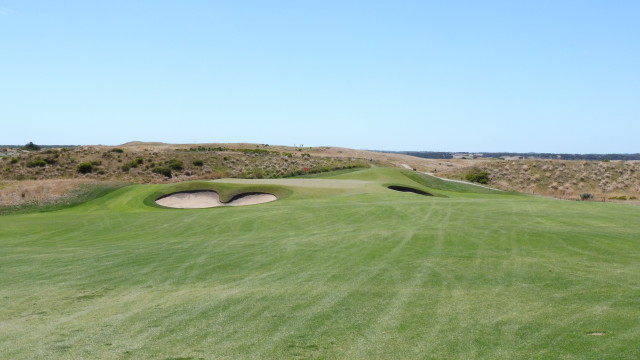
{"type": "Point", "coordinates": [338, 267]}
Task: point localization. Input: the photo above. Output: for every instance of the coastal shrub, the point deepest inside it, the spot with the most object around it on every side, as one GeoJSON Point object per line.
{"type": "Point", "coordinates": [117, 150]}
{"type": "Point", "coordinates": [175, 164]}
{"type": "Point", "coordinates": [85, 168]}
{"type": "Point", "coordinates": [36, 163]}
{"type": "Point", "coordinates": [14, 160]}
{"type": "Point", "coordinates": [125, 167]}
{"type": "Point", "coordinates": [162, 171]}
{"type": "Point", "coordinates": [623, 197]}
{"type": "Point", "coordinates": [481, 177]}
{"type": "Point", "coordinates": [586, 196]}
{"type": "Point", "coordinates": [198, 162]}
{"type": "Point", "coordinates": [135, 163]}
{"type": "Point", "coordinates": [202, 148]}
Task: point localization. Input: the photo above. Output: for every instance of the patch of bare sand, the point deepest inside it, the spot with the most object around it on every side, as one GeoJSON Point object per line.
{"type": "Point", "coordinates": [191, 200]}
{"type": "Point", "coordinates": [252, 199]}
{"type": "Point", "coordinates": [208, 199]}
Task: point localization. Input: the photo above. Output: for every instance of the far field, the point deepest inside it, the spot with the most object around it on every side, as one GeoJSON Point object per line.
{"type": "Point", "coordinates": [152, 163]}
{"type": "Point", "coordinates": [328, 271]}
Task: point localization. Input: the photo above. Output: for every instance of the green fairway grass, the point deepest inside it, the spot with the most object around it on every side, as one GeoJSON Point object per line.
{"type": "Point", "coordinates": [340, 267]}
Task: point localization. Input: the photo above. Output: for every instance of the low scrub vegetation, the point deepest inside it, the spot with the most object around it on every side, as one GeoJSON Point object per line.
{"type": "Point", "coordinates": [162, 170]}
{"type": "Point", "coordinates": [621, 197]}
{"type": "Point", "coordinates": [175, 164]}
{"type": "Point", "coordinates": [161, 164]}
{"type": "Point", "coordinates": [85, 167]}
{"type": "Point", "coordinates": [566, 179]}
{"type": "Point", "coordinates": [586, 196]}
{"type": "Point", "coordinates": [477, 176]}
{"type": "Point", "coordinates": [36, 163]}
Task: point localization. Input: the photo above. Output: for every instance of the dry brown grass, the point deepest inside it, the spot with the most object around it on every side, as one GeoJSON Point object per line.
{"type": "Point", "coordinates": [565, 179]}
{"type": "Point", "coordinates": [15, 193]}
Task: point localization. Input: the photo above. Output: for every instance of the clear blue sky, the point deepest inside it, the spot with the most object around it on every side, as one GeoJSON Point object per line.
{"type": "Point", "coordinates": [542, 76]}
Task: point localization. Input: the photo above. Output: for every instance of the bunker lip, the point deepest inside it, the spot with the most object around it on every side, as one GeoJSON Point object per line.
{"type": "Point", "coordinates": [408, 189]}
{"type": "Point", "coordinates": [202, 199]}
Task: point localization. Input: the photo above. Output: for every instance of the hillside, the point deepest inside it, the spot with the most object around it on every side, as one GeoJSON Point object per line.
{"type": "Point", "coordinates": [51, 175]}
{"type": "Point", "coordinates": [606, 180]}
{"type": "Point", "coordinates": [143, 163]}
{"type": "Point", "coordinates": [159, 163]}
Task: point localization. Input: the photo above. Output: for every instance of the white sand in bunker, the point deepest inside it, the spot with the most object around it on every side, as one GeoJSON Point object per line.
{"type": "Point", "coordinates": [207, 199]}
{"type": "Point", "coordinates": [252, 199]}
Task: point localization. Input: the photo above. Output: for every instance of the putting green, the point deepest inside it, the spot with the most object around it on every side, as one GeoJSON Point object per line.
{"type": "Point", "coordinates": [330, 270]}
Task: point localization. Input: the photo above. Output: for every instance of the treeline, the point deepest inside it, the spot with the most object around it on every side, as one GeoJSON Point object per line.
{"type": "Point", "coordinates": [32, 146]}
{"type": "Point", "coordinates": [449, 155]}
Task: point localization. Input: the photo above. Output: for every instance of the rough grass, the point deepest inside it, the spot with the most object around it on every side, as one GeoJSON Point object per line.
{"type": "Point", "coordinates": [17, 193]}
{"type": "Point", "coordinates": [51, 195]}
{"type": "Point", "coordinates": [561, 178]}
{"type": "Point", "coordinates": [346, 273]}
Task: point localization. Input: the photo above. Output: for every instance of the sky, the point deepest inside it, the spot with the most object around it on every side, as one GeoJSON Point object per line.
{"type": "Point", "coordinates": [520, 76]}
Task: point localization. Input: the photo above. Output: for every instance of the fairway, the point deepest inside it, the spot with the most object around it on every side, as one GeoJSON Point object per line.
{"type": "Point", "coordinates": [340, 267]}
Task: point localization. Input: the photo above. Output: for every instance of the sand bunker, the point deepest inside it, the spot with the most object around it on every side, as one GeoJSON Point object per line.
{"type": "Point", "coordinates": [207, 199]}
{"type": "Point", "coordinates": [409, 189]}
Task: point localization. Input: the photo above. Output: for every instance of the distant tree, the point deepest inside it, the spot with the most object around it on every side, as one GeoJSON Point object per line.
{"type": "Point", "coordinates": [31, 147]}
